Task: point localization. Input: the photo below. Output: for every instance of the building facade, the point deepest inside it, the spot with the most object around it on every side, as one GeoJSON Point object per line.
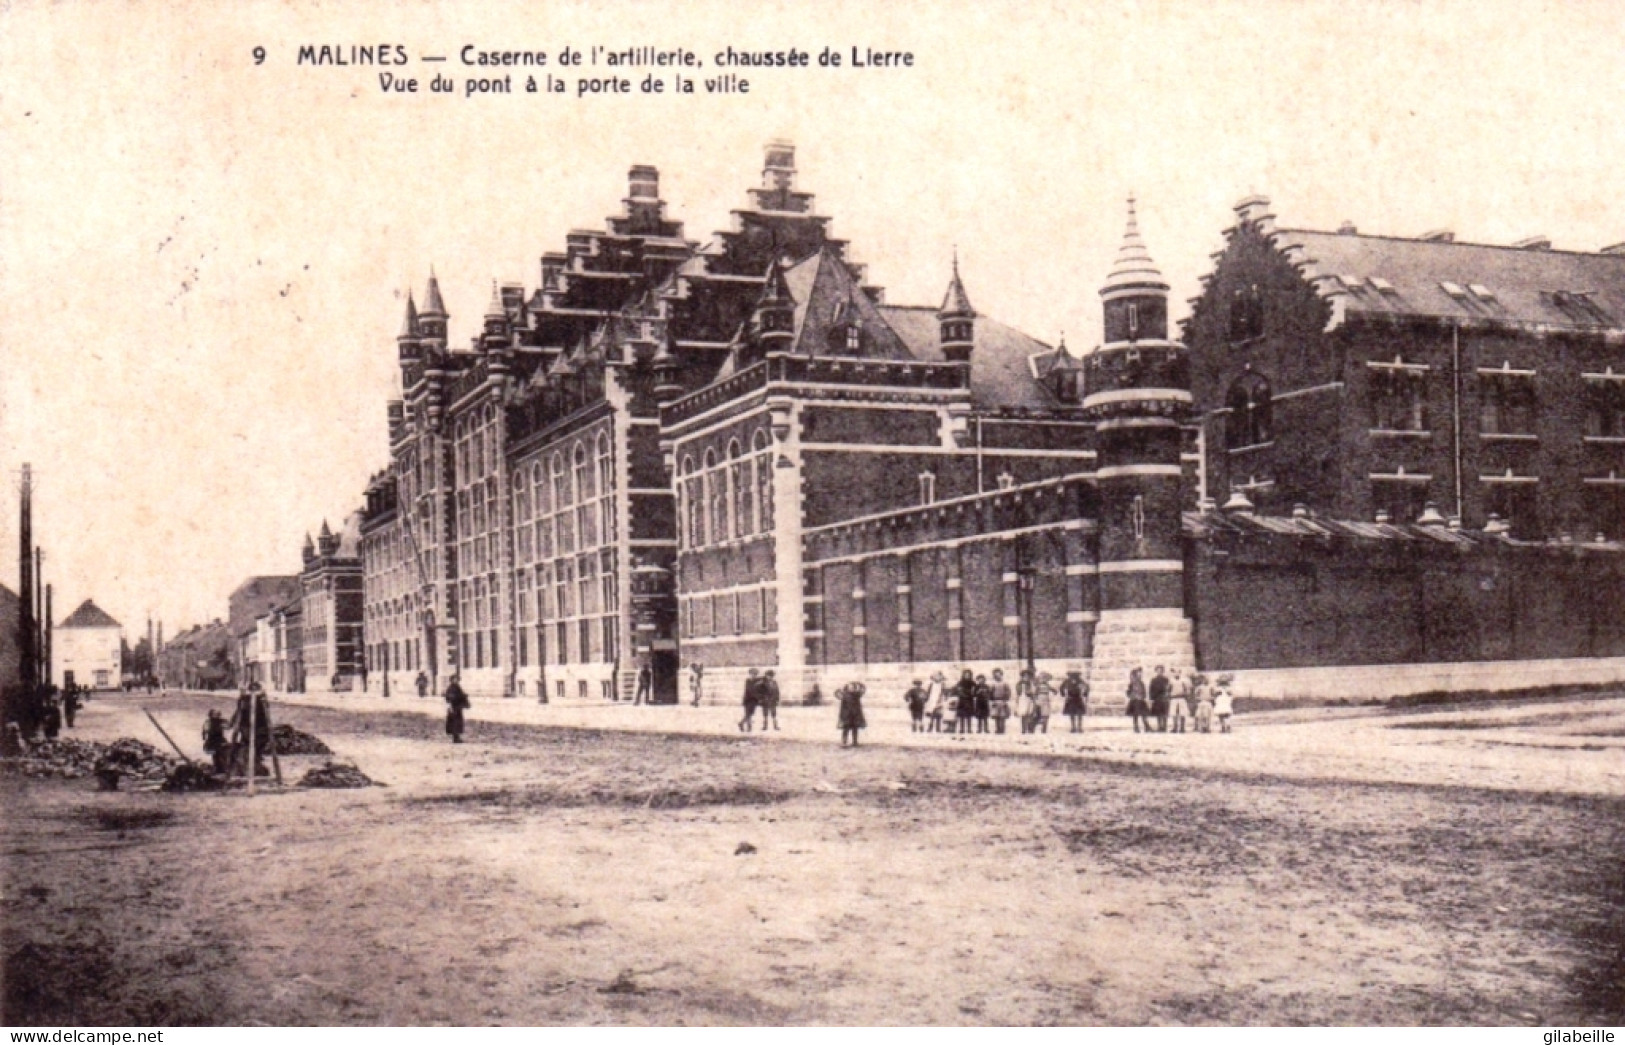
{"type": "Point", "coordinates": [87, 649]}
{"type": "Point", "coordinates": [332, 655]}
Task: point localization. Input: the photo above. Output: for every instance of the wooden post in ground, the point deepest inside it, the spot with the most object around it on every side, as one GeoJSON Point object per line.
{"type": "Point", "coordinates": [167, 737]}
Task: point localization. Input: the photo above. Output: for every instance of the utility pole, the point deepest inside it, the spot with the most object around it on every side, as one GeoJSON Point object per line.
{"type": "Point", "coordinates": [27, 628]}
{"type": "Point", "coordinates": [45, 631]}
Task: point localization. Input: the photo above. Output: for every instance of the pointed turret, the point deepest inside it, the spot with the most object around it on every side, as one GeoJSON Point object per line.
{"type": "Point", "coordinates": [309, 551]}
{"type": "Point", "coordinates": [773, 321]}
{"type": "Point", "coordinates": [498, 328]}
{"type": "Point", "coordinates": [432, 320]}
{"type": "Point", "coordinates": [956, 320]}
{"type": "Point", "coordinates": [1135, 294]}
{"type": "Point", "coordinates": [406, 341]}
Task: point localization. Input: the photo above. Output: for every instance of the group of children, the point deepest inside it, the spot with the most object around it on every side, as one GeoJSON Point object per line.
{"type": "Point", "coordinates": [1170, 701]}
{"type": "Point", "coordinates": [976, 705]}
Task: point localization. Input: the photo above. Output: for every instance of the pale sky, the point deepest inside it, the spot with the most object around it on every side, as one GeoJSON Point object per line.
{"type": "Point", "coordinates": [203, 261]}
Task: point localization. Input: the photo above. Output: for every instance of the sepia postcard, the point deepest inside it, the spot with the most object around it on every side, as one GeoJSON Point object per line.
{"type": "Point", "coordinates": [944, 513]}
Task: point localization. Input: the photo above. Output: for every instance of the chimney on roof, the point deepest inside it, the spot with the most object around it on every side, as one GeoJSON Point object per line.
{"type": "Point", "coordinates": [779, 165]}
{"type": "Point", "coordinates": [1438, 236]}
{"type": "Point", "coordinates": [644, 182]}
{"type": "Point", "coordinates": [1534, 243]}
{"type": "Point", "coordinates": [1347, 229]}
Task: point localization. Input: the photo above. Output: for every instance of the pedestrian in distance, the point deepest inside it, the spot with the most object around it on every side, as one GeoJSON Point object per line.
{"type": "Point", "coordinates": [70, 704]}
{"type": "Point", "coordinates": [752, 697]}
{"type": "Point", "coordinates": [1204, 704]}
{"type": "Point", "coordinates": [457, 702]}
{"type": "Point", "coordinates": [1138, 706]}
{"type": "Point", "coordinates": [851, 718]}
{"type": "Point", "coordinates": [1161, 697]}
{"type": "Point", "coordinates": [936, 701]}
{"type": "Point", "coordinates": [768, 698]}
{"type": "Point", "coordinates": [696, 683]}
{"type": "Point", "coordinates": [915, 699]}
{"type": "Point", "coordinates": [965, 703]}
{"type": "Point", "coordinates": [423, 685]}
{"type": "Point", "coordinates": [1224, 703]}
{"type": "Point", "coordinates": [645, 690]}
{"type": "Point", "coordinates": [984, 703]}
{"type": "Point", "coordinates": [1075, 699]}
{"type": "Point", "coordinates": [51, 715]}
{"type": "Point", "coordinates": [1000, 700]}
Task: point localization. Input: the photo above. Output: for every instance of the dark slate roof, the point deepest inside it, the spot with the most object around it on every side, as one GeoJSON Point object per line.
{"type": "Point", "coordinates": [1215, 524]}
{"type": "Point", "coordinates": [89, 615]}
{"type": "Point", "coordinates": [827, 297]}
{"type": "Point", "coordinates": [1554, 289]}
{"type": "Point", "coordinates": [1001, 362]}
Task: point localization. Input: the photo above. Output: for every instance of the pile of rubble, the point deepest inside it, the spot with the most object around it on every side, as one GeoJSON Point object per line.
{"type": "Point", "coordinates": [285, 740]}
{"type": "Point", "coordinates": [71, 759]}
{"type": "Point", "coordinates": [336, 774]}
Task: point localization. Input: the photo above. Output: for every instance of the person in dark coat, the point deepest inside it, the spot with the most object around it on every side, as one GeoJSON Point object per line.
{"type": "Point", "coordinates": [1138, 706]}
{"type": "Point", "coordinates": [965, 709]}
{"type": "Point", "coordinates": [767, 695]}
{"type": "Point", "coordinates": [851, 717]}
{"type": "Point", "coordinates": [915, 699]}
{"type": "Point", "coordinates": [70, 703]}
{"type": "Point", "coordinates": [646, 684]}
{"type": "Point", "coordinates": [457, 702]}
{"type": "Point", "coordinates": [423, 685]}
{"type": "Point", "coordinates": [1161, 695]}
{"type": "Point", "coordinates": [999, 701]}
{"type": "Point", "coordinates": [215, 744]}
{"type": "Point", "coordinates": [1075, 699]}
{"type": "Point", "coordinates": [51, 717]}
{"type": "Point", "coordinates": [753, 697]}
{"type": "Point", "coordinates": [984, 703]}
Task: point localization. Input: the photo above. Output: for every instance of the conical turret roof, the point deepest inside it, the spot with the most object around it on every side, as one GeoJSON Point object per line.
{"type": "Point", "coordinates": [432, 305]}
{"type": "Point", "coordinates": [956, 302]}
{"type": "Point", "coordinates": [409, 328]}
{"type": "Point", "coordinates": [1134, 267]}
{"type": "Point", "coordinates": [495, 309]}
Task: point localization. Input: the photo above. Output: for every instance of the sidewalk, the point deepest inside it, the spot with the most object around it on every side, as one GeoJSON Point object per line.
{"type": "Point", "coordinates": [1575, 747]}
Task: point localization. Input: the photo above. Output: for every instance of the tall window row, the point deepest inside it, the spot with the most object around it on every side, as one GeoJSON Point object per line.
{"type": "Point", "coordinates": [729, 496]}
{"type": "Point", "coordinates": [565, 526]}
{"type": "Point", "coordinates": [476, 460]}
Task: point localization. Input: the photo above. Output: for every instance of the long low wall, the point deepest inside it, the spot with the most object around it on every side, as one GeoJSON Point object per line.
{"type": "Point", "coordinates": [1377, 681]}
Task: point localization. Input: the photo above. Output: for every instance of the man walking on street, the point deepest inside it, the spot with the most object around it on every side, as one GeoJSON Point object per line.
{"type": "Point", "coordinates": [456, 703]}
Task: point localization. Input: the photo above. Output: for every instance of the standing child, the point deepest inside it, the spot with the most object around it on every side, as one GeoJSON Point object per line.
{"type": "Point", "coordinates": [1075, 699]}
{"type": "Point", "coordinates": [1224, 703]}
{"type": "Point", "coordinates": [1204, 705]}
{"type": "Point", "coordinates": [915, 699]}
{"type": "Point", "coordinates": [1139, 708]}
{"type": "Point", "coordinates": [851, 719]}
{"type": "Point", "coordinates": [769, 696]}
{"type": "Point", "coordinates": [1000, 701]}
{"type": "Point", "coordinates": [936, 701]}
{"type": "Point", "coordinates": [696, 683]}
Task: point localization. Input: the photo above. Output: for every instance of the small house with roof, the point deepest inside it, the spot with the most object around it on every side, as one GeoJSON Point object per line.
{"type": "Point", "coordinates": [87, 649]}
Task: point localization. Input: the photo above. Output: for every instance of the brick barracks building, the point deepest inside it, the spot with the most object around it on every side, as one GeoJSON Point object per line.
{"type": "Point", "coordinates": [739, 454]}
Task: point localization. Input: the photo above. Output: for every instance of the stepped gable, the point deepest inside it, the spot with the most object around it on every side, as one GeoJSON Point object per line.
{"type": "Point", "coordinates": [1004, 365]}
{"type": "Point", "coordinates": [89, 615]}
{"type": "Point", "coordinates": [1526, 285]}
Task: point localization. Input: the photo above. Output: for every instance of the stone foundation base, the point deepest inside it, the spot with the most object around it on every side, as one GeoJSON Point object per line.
{"type": "Point", "coordinates": [1129, 639]}
{"type": "Point", "coordinates": [1379, 681]}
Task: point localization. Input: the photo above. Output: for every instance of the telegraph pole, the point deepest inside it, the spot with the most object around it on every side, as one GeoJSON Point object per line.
{"type": "Point", "coordinates": [27, 628]}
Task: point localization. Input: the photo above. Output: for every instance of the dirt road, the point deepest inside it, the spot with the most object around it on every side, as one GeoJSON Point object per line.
{"type": "Point", "coordinates": [566, 876]}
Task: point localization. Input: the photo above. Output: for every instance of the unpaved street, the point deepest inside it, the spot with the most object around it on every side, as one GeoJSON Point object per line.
{"type": "Point", "coordinates": [544, 875]}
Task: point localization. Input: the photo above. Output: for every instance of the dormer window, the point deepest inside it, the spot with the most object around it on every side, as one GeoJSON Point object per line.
{"type": "Point", "coordinates": [1066, 386]}
{"type": "Point", "coordinates": [1246, 313]}
{"type": "Point", "coordinates": [854, 338]}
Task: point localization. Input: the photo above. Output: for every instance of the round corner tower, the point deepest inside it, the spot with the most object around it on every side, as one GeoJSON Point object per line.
{"type": "Point", "coordinates": [1138, 395]}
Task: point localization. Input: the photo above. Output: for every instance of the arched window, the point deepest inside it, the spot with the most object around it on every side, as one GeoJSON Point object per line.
{"type": "Point", "coordinates": [606, 465]}
{"type": "Point", "coordinates": [716, 494]}
{"type": "Point", "coordinates": [744, 486]}
{"type": "Point", "coordinates": [584, 483]}
{"type": "Point", "coordinates": [762, 451]}
{"type": "Point", "coordinates": [1249, 421]}
{"type": "Point", "coordinates": [561, 482]}
{"type": "Point", "coordinates": [693, 504]}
